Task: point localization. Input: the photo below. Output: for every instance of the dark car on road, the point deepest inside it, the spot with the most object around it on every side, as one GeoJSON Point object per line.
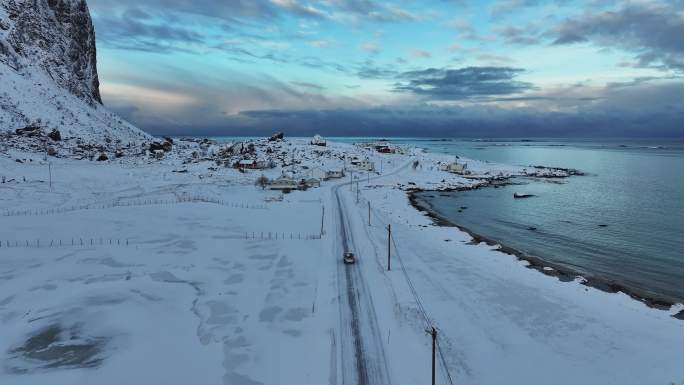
{"type": "Point", "coordinates": [349, 258]}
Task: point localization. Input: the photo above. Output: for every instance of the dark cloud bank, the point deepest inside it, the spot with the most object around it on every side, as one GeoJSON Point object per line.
{"type": "Point", "coordinates": [436, 122]}
{"type": "Point", "coordinates": [463, 83]}
{"type": "Point", "coordinates": [481, 102]}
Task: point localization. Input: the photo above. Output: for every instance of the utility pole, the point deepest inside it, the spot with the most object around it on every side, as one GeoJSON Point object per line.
{"type": "Point", "coordinates": [369, 212]}
{"type": "Point", "coordinates": [433, 332]}
{"type": "Point", "coordinates": [357, 192]}
{"type": "Point", "coordinates": [389, 246]}
{"type": "Point", "coordinates": [322, 219]}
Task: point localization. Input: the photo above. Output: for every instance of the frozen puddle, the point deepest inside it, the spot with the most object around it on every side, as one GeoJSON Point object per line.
{"type": "Point", "coordinates": [56, 347]}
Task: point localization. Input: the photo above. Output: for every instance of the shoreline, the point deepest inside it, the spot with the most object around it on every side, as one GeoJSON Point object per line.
{"type": "Point", "coordinates": [562, 273]}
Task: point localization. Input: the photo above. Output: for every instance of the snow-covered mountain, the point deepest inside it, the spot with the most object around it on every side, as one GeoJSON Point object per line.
{"type": "Point", "coordinates": [48, 73]}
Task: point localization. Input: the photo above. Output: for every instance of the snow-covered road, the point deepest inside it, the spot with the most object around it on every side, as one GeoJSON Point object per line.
{"type": "Point", "coordinates": [358, 321]}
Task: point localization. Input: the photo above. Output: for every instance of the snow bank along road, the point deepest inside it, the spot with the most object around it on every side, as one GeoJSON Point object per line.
{"type": "Point", "coordinates": [194, 300]}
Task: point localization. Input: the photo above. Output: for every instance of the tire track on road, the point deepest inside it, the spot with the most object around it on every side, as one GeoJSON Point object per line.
{"type": "Point", "coordinates": [370, 364]}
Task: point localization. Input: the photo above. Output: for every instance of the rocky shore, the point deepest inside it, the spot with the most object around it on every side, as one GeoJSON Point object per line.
{"type": "Point", "coordinates": [563, 273]}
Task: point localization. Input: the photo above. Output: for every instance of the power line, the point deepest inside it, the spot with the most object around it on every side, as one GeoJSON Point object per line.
{"type": "Point", "coordinates": [419, 302]}
{"type": "Point", "coordinates": [421, 307]}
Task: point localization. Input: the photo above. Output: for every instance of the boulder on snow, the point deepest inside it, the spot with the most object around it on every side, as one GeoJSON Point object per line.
{"type": "Point", "coordinates": [55, 135]}
{"type": "Point", "coordinates": [277, 136]}
{"type": "Point", "coordinates": [103, 157]}
{"type": "Point", "coordinates": [156, 146]}
{"type": "Point", "coordinates": [29, 131]}
{"type": "Point", "coordinates": [167, 146]}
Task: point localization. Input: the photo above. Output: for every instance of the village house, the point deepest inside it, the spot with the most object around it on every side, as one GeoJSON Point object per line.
{"type": "Point", "coordinates": [313, 182]}
{"type": "Point", "coordinates": [384, 149]}
{"type": "Point", "coordinates": [247, 164]}
{"type": "Point", "coordinates": [252, 164]}
{"type": "Point", "coordinates": [456, 168]}
{"type": "Point", "coordinates": [334, 174]}
{"type": "Point", "coordinates": [365, 165]}
{"type": "Point", "coordinates": [283, 183]}
{"type": "Point", "coordinates": [309, 183]}
{"type": "Point", "coordinates": [317, 173]}
{"type": "Point", "coordinates": [318, 141]}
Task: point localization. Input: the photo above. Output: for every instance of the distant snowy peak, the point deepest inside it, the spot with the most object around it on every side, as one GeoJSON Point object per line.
{"type": "Point", "coordinates": [55, 35]}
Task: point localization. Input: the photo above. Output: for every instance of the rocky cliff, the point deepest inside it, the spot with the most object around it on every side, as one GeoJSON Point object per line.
{"type": "Point", "coordinates": [57, 36]}
{"type": "Point", "coordinates": [48, 72]}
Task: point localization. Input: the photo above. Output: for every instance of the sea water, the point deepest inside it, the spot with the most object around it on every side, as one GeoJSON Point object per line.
{"type": "Point", "coordinates": [623, 221]}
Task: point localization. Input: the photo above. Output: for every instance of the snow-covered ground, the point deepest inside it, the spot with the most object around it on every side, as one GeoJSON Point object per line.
{"type": "Point", "coordinates": [125, 271]}
{"type": "Point", "coordinates": [34, 99]}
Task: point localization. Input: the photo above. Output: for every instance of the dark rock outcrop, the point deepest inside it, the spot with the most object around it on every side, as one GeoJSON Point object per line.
{"type": "Point", "coordinates": [166, 146]}
{"type": "Point", "coordinates": [156, 146]}
{"type": "Point", "coordinates": [277, 136]}
{"type": "Point", "coordinates": [55, 135]}
{"type": "Point", "coordinates": [29, 131]}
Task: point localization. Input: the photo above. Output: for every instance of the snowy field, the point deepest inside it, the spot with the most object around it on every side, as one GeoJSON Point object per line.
{"type": "Point", "coordinates": [128, 272]}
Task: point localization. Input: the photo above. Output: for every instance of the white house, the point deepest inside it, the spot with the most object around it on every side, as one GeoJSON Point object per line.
{"type": "Point", "coordinates": [252, 164]}
{"type": "Point", "coordinates": [283, 183]}
{"type": "Point", "coordinates": [318, 141]}
{"type": "Point", "coordinates": [317, 173]}
{"type": "Point", "coordinates": [457, 168]}
{"type": "Point", "coordinates": [366, 165]}
{"type": "Point", "coordinates": [334, 174]}
{"type": "Point", "coordinates": [312, 182]}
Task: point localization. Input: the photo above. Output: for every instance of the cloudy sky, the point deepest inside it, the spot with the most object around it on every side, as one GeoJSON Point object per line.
{"type": "Point", "coordinates": [467, 68]}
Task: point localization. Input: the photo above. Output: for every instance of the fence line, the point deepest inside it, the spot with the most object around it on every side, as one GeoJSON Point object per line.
{"type": "Point", "coordinates": [125, 242]}
{"type": "Point", "coordinates": [136, 203]}
{"type": "Point", "coordinates": [275, 236]}
{"type": "Point", "coordinates": [73, 242]}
